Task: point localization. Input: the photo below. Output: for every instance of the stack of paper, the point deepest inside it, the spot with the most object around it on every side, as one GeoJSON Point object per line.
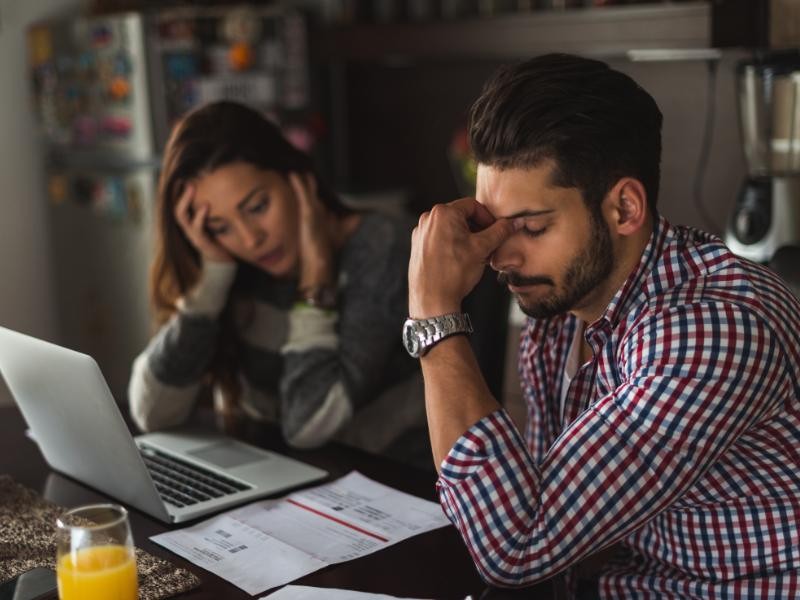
{"type": "Point", "coordinates": [272, 542]}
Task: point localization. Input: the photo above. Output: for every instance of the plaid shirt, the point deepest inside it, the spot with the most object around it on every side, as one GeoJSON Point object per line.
{"type": "Point", "coordinates": [680, 438]}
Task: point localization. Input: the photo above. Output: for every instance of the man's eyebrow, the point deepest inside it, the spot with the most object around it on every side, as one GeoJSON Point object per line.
{"type": "Point", "coordinates": [530, 213]}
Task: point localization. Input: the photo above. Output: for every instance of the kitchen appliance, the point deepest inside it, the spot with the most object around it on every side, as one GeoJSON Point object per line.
{"type": "Point", "coordinates": [766, 216]}
{"type": "Point", "coordinates": [107, 90]}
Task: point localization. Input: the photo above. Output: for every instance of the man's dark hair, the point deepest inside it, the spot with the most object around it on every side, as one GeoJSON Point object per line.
{"type": "Point", "coordinates": [596, 124]}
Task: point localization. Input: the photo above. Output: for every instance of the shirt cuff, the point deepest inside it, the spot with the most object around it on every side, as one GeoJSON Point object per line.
{"type": "Point", "coordinates": [494, 434]}
{"type": "Point", "coordinates": [209, 296]}
{"type": "Point", "coordinates": [486, 454]}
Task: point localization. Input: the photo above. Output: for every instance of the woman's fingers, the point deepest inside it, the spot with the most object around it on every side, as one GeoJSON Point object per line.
{"type": "Point", "coordinates": [311, 186]}
{"type": "Point", "coordinates": [183, 207]}
{"type": "Point", "coordinates": [300, 191]}
{"type": "Point", "coordinates": [199, 218]}
{"type": "Point", "coordinates": [192, 220]}
{"type": "Point", "coordinates": [305, 189]}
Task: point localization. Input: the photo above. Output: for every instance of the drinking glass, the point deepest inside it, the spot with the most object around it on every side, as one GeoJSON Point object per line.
{"type": "Point", "coordinates": [95, 557]}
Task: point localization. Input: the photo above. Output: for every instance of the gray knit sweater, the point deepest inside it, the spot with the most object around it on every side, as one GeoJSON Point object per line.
{"type": "Point", "coordinates": [321, 374]}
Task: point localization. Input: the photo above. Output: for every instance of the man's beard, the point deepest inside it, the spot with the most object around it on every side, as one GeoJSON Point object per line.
{"type": "Point", "coordinates": [592, 265]}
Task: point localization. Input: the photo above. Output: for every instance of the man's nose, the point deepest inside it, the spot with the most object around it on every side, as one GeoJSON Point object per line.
{"type": "Point", "coordinates": [508, 256]}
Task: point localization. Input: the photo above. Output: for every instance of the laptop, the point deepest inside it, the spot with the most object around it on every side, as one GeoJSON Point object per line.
{"type": "Point", "coordinates": [174, 476]}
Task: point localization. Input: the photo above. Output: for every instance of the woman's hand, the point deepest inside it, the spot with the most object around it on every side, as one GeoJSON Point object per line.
{"type": "Point", "coordinates": [314, 237]}
{"type": "Point", "coordinates": [192, 220]}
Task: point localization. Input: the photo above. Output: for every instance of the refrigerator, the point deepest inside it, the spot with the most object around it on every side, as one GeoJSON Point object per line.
{"type": "Point", "coordinates": [106, 91]}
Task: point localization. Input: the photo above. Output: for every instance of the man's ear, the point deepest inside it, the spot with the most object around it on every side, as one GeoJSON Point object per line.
{"type": "Point", "coordinates": [626, 206]}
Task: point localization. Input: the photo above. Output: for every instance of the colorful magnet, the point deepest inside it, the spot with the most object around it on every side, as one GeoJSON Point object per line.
{"type": "Point", "coordinates": [57, 189]}
{"type": "Point", "coordinates": [116, 206]}
{"type": "Point", "coordinates": [122, 64]}
{"type": "Point", "coordinates": [40, 46]}
{"type": "Point", "coordinates": [84, 130]}
{"type": "Point", "coordinates": [119, 88]}
{"type": "Point", "coordinates": [116, 126]}
{"type": "Point", "coordinates": [241, 25]}
{"type": "Point", "coordinates": [86, 61]}
{"type": "Point", "coordinates": [241, 56]}
{"type": "Point", "coordinates": [100, 36]}
{"type": "Point", "coordinates": [180, 65]}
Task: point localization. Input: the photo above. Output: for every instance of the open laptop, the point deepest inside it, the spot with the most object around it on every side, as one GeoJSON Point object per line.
{"type": "Point", "coordinates": [174, 476]}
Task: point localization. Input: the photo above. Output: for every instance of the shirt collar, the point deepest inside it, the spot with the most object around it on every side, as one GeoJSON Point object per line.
{"type": "Point", "coordinates": [633, 291]}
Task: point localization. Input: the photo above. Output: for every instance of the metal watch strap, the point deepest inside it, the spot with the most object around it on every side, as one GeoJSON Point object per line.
{"type": "Point", "coordinates": [420, 335]}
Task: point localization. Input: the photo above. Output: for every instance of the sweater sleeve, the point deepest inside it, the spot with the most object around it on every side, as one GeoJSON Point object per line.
{"type": "Point", "coordinates": [336, 361]}
{"type": "Point", "coordinates": [165, 377]}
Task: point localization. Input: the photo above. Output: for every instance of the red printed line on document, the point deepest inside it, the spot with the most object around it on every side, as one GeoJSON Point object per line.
{"type": "Point", "coordinates": [345, 523]}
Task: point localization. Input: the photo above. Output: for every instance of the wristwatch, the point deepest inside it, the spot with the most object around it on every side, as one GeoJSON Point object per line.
{"type": "Point", "coordinates": [420, 335]}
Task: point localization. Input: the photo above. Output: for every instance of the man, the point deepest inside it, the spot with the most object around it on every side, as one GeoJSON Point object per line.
{"type": "Point", "coordinates": [660, 371]}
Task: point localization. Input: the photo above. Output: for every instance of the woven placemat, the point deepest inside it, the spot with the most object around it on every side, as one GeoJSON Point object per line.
{"type": "Point", "coordinates": [27, 540]}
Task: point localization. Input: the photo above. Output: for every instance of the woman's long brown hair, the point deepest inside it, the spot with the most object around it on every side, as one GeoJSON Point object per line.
{"type": "Point", "coordinates": [210, 137]}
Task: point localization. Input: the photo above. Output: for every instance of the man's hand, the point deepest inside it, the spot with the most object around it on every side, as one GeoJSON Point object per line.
{"type": "Point", "coordinates": [449, 250]}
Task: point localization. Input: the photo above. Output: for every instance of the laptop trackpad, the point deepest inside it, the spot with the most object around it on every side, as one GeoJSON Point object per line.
{"type": "Point", "coordinates": [227, 455]}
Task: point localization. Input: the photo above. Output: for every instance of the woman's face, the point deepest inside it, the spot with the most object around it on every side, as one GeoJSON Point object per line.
{"type": "Point", "coordinates": [252, 215]}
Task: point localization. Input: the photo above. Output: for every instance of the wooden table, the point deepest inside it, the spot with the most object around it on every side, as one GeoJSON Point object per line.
{"type": "Point", "coordinates": [432, 565]}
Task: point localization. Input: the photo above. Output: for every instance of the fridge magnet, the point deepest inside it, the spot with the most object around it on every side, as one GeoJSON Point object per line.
{"type": "Point", "coordinates": [116, 127]}
{"type": "Point", "coordinates": [241, 28]}
{"type": "Point", "coordinates": [240, 25]}
{"type": "Point", "coordinates": [40, 46]}
{"type": "Point", "coordinates": [57, 188]}
{"type": "Point", "coordinates": [101, 36]}
{"type": "Point", "coordinates": [241, 56]}
{"type": "Point", "coordinates": [119, 88]}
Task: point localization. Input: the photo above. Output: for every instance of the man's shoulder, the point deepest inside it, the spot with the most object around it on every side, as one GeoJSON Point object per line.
{"type": "Point", "coordinates": [697, 267]}
{"type": "Point", "coordinates": [698, 275]}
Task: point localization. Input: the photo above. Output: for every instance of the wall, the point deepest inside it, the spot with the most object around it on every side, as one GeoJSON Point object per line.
{"type": "Point", "coordinates": [26, 301]}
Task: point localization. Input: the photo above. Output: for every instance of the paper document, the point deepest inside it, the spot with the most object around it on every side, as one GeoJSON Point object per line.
{"type": "Point", "coordinates": [272, 542]}
{"type": "Point", "coordinates": [304, 592]}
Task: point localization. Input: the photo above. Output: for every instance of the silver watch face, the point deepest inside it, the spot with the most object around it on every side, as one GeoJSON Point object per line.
{"type": "Point", "coordinates": [411, 338]}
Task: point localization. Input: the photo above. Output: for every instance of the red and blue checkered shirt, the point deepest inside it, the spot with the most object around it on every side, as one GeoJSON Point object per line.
{"type": "Point", "coordinates": [680, 439]}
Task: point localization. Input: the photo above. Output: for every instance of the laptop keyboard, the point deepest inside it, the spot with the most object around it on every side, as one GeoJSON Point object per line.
{"type": "Point", "coordinates": [182, 483]}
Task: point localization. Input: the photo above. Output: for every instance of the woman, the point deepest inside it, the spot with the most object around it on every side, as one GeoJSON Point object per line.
{"type": "Point", "coordinates": [267, 288]}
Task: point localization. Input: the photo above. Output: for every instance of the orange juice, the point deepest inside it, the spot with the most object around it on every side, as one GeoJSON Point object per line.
{"type": "Point", "coordinates": [98, 573]}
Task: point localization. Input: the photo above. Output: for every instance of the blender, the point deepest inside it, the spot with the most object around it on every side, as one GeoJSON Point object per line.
{"type": "Point", "coordinates": [765, 224]}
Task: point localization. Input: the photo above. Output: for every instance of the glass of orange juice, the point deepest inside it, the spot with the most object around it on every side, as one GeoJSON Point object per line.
{"type": "Point", "coordinates": [95, 554]}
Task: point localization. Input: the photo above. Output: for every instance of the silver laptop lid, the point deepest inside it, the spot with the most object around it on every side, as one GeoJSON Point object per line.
{"type": "Point", "coordinates": [76, 422]}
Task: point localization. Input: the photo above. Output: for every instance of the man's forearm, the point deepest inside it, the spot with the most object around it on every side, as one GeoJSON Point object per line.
{"type": "Point", "coordinates": [456, 395]}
